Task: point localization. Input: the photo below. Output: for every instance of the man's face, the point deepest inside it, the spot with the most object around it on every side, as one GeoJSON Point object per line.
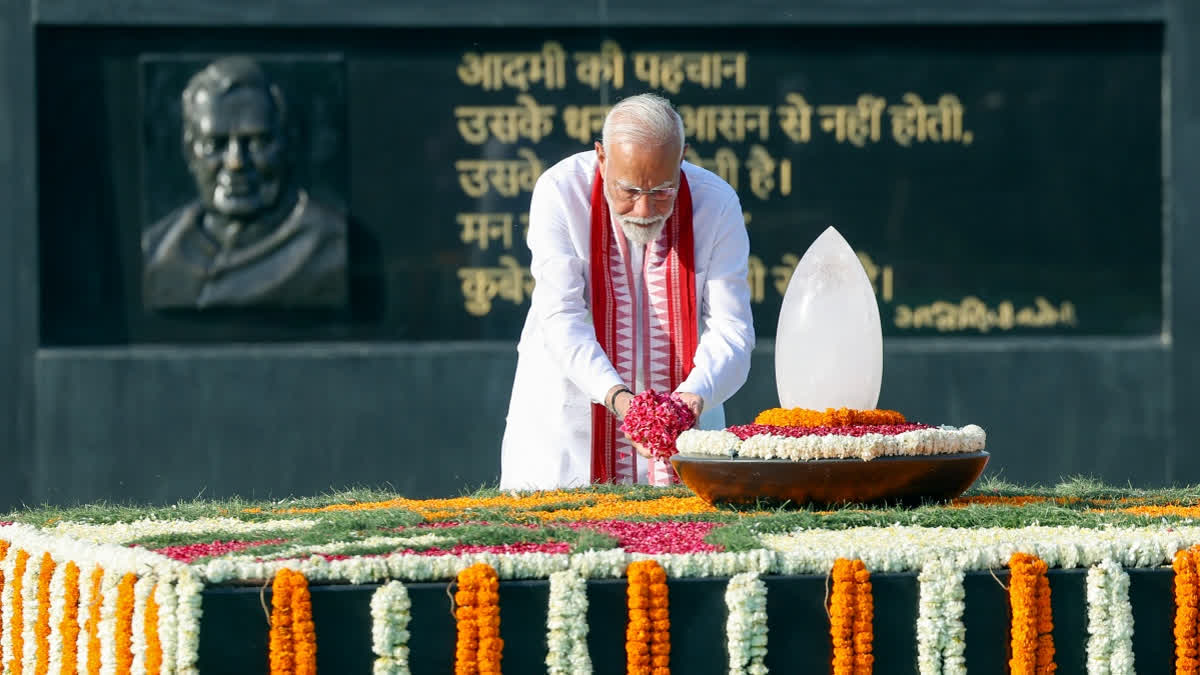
{"type": "Point", "coordinates": [640, 184]}
{"type": "Point", "coordinates": [236, 153]}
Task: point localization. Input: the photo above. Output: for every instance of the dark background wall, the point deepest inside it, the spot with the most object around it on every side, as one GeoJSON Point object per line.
{"type": "Point", "coordinates": [1075, 188]}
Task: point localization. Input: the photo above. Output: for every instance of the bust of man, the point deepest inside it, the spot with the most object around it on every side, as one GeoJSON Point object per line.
{"type": "Point", "coordinates": [251, 238]}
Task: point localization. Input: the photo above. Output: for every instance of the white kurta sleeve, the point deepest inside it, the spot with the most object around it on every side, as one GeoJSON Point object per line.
{"type": "Point", "coordinates": [722, 361]}
{"type": "Point", "coordinates": [560, 291]}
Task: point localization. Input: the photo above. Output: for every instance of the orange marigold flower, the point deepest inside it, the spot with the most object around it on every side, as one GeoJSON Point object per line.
{"type": "Point", "coordinates": [41, 629]}
{"type": "Point", "coordinates": [830, 417]}
{"type": "Point", "coordinates": [95, 602]}
{"type": "Point", "coordinates": [125, 623]}
{"type": "Point", "coordinates": [18, 620]}
{"type": "Point", "coordinates": [69, 627]}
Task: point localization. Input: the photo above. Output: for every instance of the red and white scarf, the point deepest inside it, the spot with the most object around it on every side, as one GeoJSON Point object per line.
{"type": "Point", "coordinates": [669, 331]}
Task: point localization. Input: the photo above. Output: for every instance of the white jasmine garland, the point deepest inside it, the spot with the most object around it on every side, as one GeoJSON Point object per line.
{"type": "Point", "coordinates": [109, 591]}
{"type": "Point", "coordinates": [58, 607]}
{"type": "Point", "coordinates": [141, 593]}
{"type": "Point", "coordinates": [188, 589]}
{"type": "Point", "coordinates": [119, 533]}
{"type": "Point", "coordinates": [29, 612]}
{"type": "Point", "coordinates": [900, 548]}
{"type": "Point", "coordinates": [1110, 620]}
{"type": "Point", "coordinates": [707, 443]}
{"type": "Point", "coordinates": [6, 603]}
{"type": "Point", "coordinates": [85, 607]}
{"type": "Point", "coordinates": [566, 625]}
{"type": "Point", "coordinates": [941, 635]}
{"type": "Point", "coordinates": [933, 441]}
{"type": "Point", "coordinates": [390, 607]}
{"type": "Point", "coordinates": [168, 631]}
{"type": "Point", "coordinates": [746, 625]}
{"type": "Point", "coordinates": [335, 547]}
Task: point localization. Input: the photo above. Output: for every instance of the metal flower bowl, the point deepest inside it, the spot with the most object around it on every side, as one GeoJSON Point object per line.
{"type": "Point", "coordinates": [906, 481]}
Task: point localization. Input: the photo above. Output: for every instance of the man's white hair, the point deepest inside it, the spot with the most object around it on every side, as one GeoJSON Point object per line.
{"type": "Point", "coordinates": [645, 119]}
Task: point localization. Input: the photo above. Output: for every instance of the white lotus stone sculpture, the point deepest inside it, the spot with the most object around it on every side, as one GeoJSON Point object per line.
{"type": "Point", "coordinates": [829, 344]}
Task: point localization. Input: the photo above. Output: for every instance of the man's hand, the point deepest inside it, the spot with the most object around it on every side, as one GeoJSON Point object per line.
{"type": "Point", "coordinates": [622, 401]}
{"type": "Point", "coordinates": [694, 402]}
{"type": "Point", "coordinates": [641, 449]}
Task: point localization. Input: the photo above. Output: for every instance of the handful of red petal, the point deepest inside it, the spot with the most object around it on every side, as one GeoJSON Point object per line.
{"type": "Point", "coordinates": [656, 420]}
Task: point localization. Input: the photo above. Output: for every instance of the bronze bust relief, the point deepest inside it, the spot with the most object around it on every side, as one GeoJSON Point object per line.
{"type": "Point", "coordinates": [251, 238]}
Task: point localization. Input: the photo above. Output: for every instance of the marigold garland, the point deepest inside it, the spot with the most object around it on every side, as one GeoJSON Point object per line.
{"type": "Point", "coordinates": [41, 629]}
{"type": "Point", "coordinates": [293, 638]}
{"type": "Point", "coordinates": [17, 628]}
{"type": "Point", "coordinates": [4, 544]}
{"type": "Point", "coordinates": [1032, 625]}
{"type": "Point", "coordinates": [648, 632]}
{"type": "Point", "coordinates": [1187, 610]}
{"type": "Point", "coordinates": [95, 602]}
{"type": "Point", "coordinates": [124, 632]}
{"type": "Point", "coordinates": [69, 626]}
{"type": "Point", "coordinates": [479, 648]}
{"type": "Point", "coordinates": [304, 633]}
{"type": "Point", "coordinates": [851, 616]}
{"type": "Point", "coordinates": [831, 417]}
{"type": "Point", "coordinates": [154, 654]}
{"type": "Point", "coordinates": [282, 660]}
{"type": "Point", "coordinates": [864, 616]}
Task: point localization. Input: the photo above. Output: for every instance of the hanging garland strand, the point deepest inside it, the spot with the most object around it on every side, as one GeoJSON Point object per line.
{"type": "Point", "coordinates": [1187, 599]}
{"type": "Point", "coordinates": [660, 620]}
{"type": "Point", "coordinates": [479, 648]}
{"type": "Point", "coordinates": [648, 631]}
{"type": "Point", "coordinates": [637, 628]}
{"type": "Point", "coordinates": [841, 617]}
{"type": "Point", "coordinates": [864, 615]}
{"type": "Point", "coordinates": [1032, 624]}
{"type": "Point", "coordinates": [282, 658]}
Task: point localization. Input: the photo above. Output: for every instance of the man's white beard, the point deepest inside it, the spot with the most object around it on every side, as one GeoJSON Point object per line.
{"type": "Point", "coordinates": [636, 228]}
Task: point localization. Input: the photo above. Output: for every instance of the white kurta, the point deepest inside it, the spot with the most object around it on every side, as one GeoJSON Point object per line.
{"type": "Point", "coordinates": [561, 369]}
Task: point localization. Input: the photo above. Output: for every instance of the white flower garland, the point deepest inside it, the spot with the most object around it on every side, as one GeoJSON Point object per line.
{"type": "Point", "coordinates": [707, 443]}
{"type": "Point", "coordinates": [1110, 620]}
{"type": "Point", "coordinates": [29, 612]}
{"type": "Point", "coordinates": [168, 631]}
{"type": "Point", "coordinates": [941, 634]}
{"type": "Point", "coordinates": [334, 547]}
{"type": "Point", "coordinates": [141, 594]}
{"type": "Point", "coordinates": [188, 610]}
{"type": "Point", "coordinates": [390, 615]}
{"type": "Point", "coordinates": [58, 607]}
{"type": "Point", "coordinates": [119, 533]}
{"type": "Point", "coordinates": [85, 594]}
{"type": "Point", "coordinates": [900, 548]}
{"type": "Point", "coordinates": [109, 591]}
{"type": "Point", "coordinates": [6, 605]}
{"type": "Point", "coordinates": [566, 625]}
{"type": "Point", "coordinates": [942, 440]}
{"type": "Point", "coordinates": [746, 626]}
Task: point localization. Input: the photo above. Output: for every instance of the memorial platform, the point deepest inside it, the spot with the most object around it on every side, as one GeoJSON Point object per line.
{"type": "Point", "coordinates": [231, 586]}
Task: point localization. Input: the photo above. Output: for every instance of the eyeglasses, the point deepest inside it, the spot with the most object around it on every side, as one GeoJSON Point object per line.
{"type": "Point", "coordinates": [631, 194]}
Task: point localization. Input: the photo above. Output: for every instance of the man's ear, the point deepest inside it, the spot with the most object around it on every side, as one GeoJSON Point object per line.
{"type": "Point", "coordinates": [683, 154]}
{"type": "Point", "coordinates": [600, 158]}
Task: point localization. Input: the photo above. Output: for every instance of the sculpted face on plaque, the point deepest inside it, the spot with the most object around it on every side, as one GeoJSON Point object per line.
{"type": "Point", "coordinates": [829, 341]}
{"type": "Point", "coordinates": [251, 237]}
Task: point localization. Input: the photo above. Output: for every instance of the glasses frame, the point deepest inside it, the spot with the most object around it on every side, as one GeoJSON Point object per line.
{"type": "Point", "coordinates": [631, 194]}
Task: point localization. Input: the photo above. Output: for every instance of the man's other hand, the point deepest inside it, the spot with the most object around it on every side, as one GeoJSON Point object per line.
{"type": "Point", "coordinates": [694, 402]}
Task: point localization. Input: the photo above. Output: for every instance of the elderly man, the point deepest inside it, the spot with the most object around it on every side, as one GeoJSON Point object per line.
{"type": "Point", "coordinates": [640, 264]}
{"type": "Point", "coordinates": [252, 237]}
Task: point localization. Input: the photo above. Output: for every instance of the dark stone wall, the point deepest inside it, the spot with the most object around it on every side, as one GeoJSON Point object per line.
{"type": "Point", "coordinates": [173, 421]}
{"type": "Point", "coordinates": [164, 423]}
